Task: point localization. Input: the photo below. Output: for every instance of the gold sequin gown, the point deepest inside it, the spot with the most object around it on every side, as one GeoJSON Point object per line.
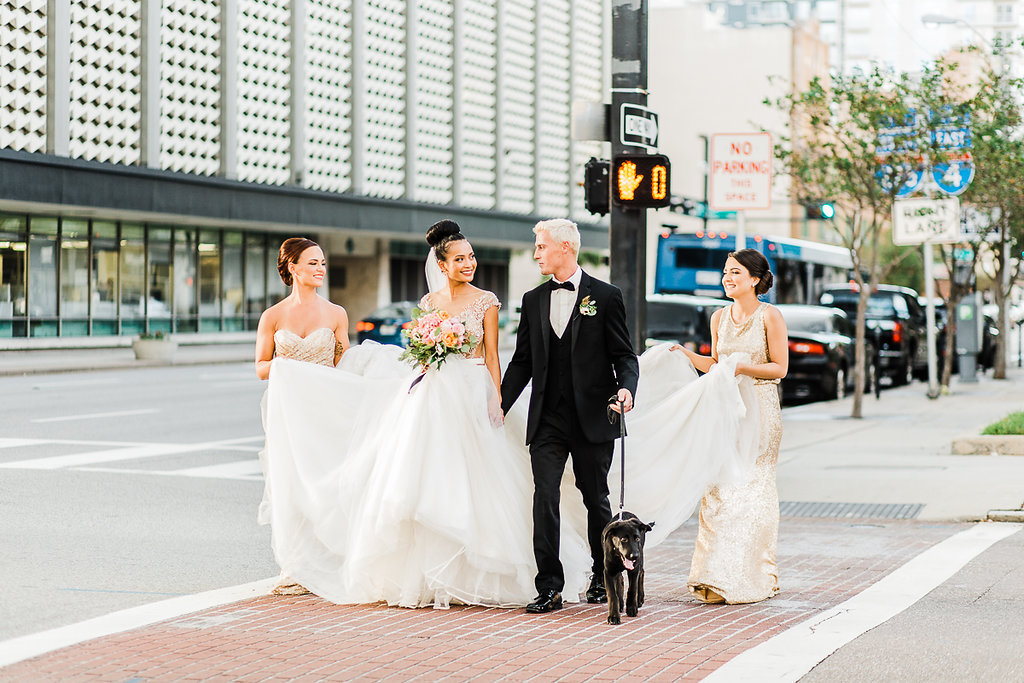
{"type": "Point", "coordinates": [734, 559]}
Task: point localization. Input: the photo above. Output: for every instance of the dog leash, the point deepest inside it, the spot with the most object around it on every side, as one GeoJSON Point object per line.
{"type": "Point", "coordinates": [622, 457]}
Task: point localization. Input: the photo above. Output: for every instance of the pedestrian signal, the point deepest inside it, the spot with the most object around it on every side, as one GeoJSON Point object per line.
{"type": "Point", "coordinates": [595, 186]}
{"type": "Point", "coordinates": [641, 180]}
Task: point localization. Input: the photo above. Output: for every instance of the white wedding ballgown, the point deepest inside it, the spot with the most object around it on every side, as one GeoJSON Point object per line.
{"type": "Point", "coordinates": [414, 498]}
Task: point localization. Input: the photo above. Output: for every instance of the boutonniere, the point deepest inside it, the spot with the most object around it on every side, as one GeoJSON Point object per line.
{"type": "Point", "coordinates": [588, 307]}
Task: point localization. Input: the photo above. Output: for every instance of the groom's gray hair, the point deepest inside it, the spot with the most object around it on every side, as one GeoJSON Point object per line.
{"type": "Point", "coordinates": [561, 230]}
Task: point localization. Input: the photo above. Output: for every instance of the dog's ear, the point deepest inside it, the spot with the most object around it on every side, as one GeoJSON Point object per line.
{"type": "Point", "coordinates": [648, 527]}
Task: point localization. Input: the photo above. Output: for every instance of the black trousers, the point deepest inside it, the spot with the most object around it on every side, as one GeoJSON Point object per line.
{"type": "Point", "coordinates": [559, 435]}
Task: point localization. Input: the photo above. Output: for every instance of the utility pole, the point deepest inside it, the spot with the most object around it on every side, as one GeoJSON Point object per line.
{"type": "Point", "coordinates": [628, 238]}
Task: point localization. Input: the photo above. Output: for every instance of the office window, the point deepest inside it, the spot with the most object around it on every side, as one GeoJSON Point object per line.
{"type": "Point", "coordinates": [255, 279]}
{"type": "Point", "coordinates": [1004, 13]}
{"type": "Point", "coordinates": [160, 278]}
{"type": "Point", "coordinates": [105, 284]}
{"type": "Point", "coordinates": [42, 276]}
{"type": "Point", "coordinates": [133, 278]}
{"type": "Point", "coordinates": [74, 277]}
{"type": "Point", "coordinates": [209, 281]}
{"type": "Point", "coordinates": [276, 289]}
{"type": "Point", "coordinates": [185, 248]}
{"type": "Point", "coordinates": [13, 253]}
{"type": "Point", "coordinates": [233, 305]}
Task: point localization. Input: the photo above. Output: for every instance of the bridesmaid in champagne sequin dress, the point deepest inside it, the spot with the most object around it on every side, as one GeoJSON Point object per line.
{"type": "Point", "coordinates": [305, 327]}
{"type": "Point", "coordinates": [734, 559]}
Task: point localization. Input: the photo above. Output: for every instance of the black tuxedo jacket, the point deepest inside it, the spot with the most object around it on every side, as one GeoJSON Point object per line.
{"type": "Point", "coordinates": [602, 357]}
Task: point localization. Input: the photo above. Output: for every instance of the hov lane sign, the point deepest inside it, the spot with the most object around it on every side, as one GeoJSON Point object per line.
{"type": "Point", "coordinates": [638, 126]}
{"type": "Point", "coordinates": [741, 171]}
{"type": "Point", "coordinates": [932, 221]}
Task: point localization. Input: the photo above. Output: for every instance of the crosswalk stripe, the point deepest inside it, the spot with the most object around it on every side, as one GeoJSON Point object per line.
{"type": "Point", "coordinates": [126, 452]}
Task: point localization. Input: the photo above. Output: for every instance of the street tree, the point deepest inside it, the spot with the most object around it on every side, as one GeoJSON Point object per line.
{"type": "Point", "coordinates": [853, 141]}
{"type": "Point", "coordinates": [997, 193]}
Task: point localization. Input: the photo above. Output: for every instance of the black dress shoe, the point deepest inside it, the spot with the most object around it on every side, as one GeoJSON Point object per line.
{"type": "Point", "coordinates": [596, 593]}
{"type": "Point", "coordinates": [547, 601]}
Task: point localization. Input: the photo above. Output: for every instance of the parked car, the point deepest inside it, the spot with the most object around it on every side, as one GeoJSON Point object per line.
{"type": "Point", "coordinates": [896, 322]}
{"type": "Point", "coordinates": [681, 319]}
{"type": "Point", "coordinates": [822, 354]}
{"type": "Point", "coordinates": [385, 324]}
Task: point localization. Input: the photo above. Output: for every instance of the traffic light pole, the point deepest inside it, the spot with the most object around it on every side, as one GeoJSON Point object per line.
{"type": "Point", "coordinates": [628, 234]}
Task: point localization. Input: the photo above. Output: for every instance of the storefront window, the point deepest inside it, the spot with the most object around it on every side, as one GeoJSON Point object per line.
{"type": "Point", "coordinates": [231, 270]}
{"type": "Point", "coordinates": [42, 276]}
{"type": "Point", "coordinates": [160, 279]}
{"type": "Point", "coordinates": [209, 281]}
{"type": "Point", "coordinates": [276, 289]}
{"type": "Point", "coordinates": [255, 279]}
{"type": "Point", "coordinates": [133, 279]}
{"type": "Point", "coordinates": [74, 277]}
{"type": "Point", "coordinates": [104, 278]}
{"type": "Point", "coordinates": [185, 249]}
{"type": "Point", "coordinates": [13, 247]}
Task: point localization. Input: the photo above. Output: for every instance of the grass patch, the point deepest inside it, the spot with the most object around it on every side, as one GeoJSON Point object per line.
{"type": "Point", "coordinates": [1011, 424]}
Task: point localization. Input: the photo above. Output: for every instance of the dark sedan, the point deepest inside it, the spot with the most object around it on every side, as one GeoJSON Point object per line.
{"type": "Point", "coordinates": [385, 325]}
{"type": "Point", "coordinates": [821, 354]}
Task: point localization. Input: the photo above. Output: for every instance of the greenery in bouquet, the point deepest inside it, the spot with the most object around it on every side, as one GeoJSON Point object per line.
{"type": "Point", "coordinates": [434, 336]}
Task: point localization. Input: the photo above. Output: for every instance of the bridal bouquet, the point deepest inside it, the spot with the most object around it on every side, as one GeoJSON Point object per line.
{"type": "Point", "coordinates": [435, 336]}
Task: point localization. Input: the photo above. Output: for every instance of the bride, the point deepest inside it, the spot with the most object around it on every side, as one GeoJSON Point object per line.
{"type": "Point", "coordinates": [408, 496]}
{"type": "Point", "coordinates": [387, 489]}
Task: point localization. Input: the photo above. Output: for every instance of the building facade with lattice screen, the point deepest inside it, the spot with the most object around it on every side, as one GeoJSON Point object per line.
{"type": "Point", "coordinates": [153, 153]}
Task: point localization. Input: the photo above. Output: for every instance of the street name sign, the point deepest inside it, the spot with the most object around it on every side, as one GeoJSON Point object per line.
{"type": "Point", "coordinates": [741, 171]}
{"type": "Point", "coordinates": [920, 221]}
{"type": "Point", "coordinates": [638, 126]}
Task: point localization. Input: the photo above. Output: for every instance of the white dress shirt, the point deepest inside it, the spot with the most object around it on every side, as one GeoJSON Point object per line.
{"type": "Point", "coordinates": [562, 302]}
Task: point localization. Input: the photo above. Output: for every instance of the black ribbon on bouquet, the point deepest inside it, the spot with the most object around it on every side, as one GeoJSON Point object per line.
{"type": "Point", "coordinates": [416, 381]}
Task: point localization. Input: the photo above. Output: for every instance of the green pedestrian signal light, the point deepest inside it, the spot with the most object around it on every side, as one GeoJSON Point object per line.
{"type": "Point", "coordinates": [820, 211]}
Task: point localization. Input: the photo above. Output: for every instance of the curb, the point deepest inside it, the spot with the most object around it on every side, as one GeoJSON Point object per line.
{"type": "Point", "coordinates": [1006, 515]}
{"type": "Point", "coordinates": [989, 445]}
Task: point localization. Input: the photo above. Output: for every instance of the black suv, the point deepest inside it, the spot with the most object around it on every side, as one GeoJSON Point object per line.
{"type": "Point", "coordinates": [683, 319]}
{"type": "Point", "coordinates": [897, 324]}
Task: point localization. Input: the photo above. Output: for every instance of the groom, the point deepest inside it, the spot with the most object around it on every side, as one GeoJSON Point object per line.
{"type": "Point", "coordinates": [573, 343]}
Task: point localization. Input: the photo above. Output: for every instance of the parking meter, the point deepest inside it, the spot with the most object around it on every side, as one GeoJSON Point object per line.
{"type": "Point", "coordinates": [968, 336]}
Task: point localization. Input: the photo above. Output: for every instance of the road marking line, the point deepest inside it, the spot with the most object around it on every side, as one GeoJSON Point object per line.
{"type": "Point", "coordinates": [89, 416]}
{"type": "Point", "coordinates": [791, 654]}
{"type": "Point", "coordinates": [26, 647]}
{"type": "Point", "coordinates": [77, 383]}
{"type": "Point", "coordinates": [129, 453]}
{"type": "Point", "coordinates": [18, 443]}
{"type": "Point", "coordinates": [247, 470]}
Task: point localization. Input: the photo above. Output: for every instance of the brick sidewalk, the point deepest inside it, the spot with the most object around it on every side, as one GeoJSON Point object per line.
{"type": "Point", "coordinates": [822, 563]}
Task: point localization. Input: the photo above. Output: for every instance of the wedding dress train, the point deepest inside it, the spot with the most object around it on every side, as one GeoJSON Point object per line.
{"type": "Point", "coordinates": [415, 498]}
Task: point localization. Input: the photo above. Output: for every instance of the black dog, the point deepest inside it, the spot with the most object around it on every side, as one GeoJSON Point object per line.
{"type": "Point", "coordinates": [623, 541]}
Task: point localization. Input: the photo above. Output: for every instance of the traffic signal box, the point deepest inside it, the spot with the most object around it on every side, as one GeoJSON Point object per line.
{"type": "Point", "coordinates": [595, 186]}
{"type": "Point", "coordinates": [641, 180]}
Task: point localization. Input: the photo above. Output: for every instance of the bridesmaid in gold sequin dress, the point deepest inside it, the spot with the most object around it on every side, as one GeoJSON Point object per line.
{"type": "Point", "coordinates": [303, 326]}
{"type": "Point", "coordinates": [734, 559]}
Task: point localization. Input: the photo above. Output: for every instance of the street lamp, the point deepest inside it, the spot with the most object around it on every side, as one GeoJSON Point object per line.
{"type": "Point", "coordinates": [936, 20]}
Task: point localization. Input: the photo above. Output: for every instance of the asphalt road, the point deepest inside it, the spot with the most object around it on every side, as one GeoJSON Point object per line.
{"type": "Point", "coordinates": [123, 487]}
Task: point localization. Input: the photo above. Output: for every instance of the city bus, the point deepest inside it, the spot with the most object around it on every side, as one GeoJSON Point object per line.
{"type": "Point", "coordinates": [691, 263]}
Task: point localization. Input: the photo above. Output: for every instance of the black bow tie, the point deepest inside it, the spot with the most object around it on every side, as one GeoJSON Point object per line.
{"type": "Point", "coordinates": [562, 285]}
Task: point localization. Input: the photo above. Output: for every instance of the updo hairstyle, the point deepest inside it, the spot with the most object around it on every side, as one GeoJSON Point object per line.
{"type": "Point", "coordinates": [757, 265]}
{"type": "Point", "coordinates": [291, 250]}
{"type": "Point", "coordinates": [441, 234]}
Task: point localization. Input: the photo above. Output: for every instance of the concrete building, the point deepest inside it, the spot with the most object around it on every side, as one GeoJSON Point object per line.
{"type": "Point", "coordinates": [153, 153]}
{"type": "Point", "coordinates": [707, 78]}
{"type": "Point", "coordinates": [859, 32]}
